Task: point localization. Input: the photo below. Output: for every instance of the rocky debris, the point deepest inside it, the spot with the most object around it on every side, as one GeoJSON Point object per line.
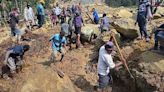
{"type": "Point", "coordinates": [126, 27]}
{"type": "Point", "coordinates": [149, 72]}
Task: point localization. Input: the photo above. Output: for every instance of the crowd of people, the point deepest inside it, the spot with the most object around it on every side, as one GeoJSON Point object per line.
{"type": "Point", "coordinates": [71, 22]}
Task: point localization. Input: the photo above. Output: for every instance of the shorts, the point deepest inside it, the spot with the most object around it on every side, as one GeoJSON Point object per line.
{"type": "Point", "coordinates": [77, 30]}
{"type": "Point", "coordinates": [14, 63]}
{"type": "Point", "coordinates": [55, 52]}
{"type": "Point", "coordinates": [104, 81]}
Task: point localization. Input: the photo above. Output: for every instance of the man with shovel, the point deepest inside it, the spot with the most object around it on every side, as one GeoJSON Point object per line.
{"type": "Point", "coordinates": [105, 63]}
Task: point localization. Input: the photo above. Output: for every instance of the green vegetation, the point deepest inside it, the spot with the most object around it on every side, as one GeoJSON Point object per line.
{"type": "Point", "coordinates": [116, 3]}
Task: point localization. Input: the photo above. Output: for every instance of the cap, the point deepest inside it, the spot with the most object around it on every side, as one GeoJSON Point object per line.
{"type": "Point", "coordinates": [109, 45]}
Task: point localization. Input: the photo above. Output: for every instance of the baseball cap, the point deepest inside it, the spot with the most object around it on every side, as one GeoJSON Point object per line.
{"type": "Point", "coordinates": [109, 45]}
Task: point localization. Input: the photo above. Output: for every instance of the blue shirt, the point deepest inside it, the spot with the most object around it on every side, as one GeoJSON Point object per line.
{"type": "Point", "coordinates": [57, 41]}
{"type": "Point", "coordinates": [40, 9]}
{"type": "Point", "coordinates": [17, 50]}
{"type": "Point", "coordinates": [95, 15]}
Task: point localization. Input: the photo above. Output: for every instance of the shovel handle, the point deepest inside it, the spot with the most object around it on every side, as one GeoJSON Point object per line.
{"type": "Point", "coordinates": [121, 55]}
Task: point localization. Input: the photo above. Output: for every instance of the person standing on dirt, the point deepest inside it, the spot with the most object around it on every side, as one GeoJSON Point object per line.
{"type": "Point", "coordinates": [13, 21]}
{"type": "Point", "coordinates": [40, 13]}
{"type": "Point", "coordinates": [73, 8]}
{"type": "Point", "coordinates": [142, 18]}
{"type": "Point", "coordinates": [14, 57]}
{"type": "Point", "coordinates": [105, 63]}
{"type": "Point", "coordinates": [57, 11]}
{"type": "Point", "coordinates": [68, 33]}
{"type": "Point", "coordinates": [95, 16]}
{"type": "Point", "coordinates": [159, 37]}
{"type": "Point", "coordinates": [63, 15]}
{"type": "Point", "coordinates": [78, 22]}
{"type": "Point", "coordinates": [29, 16]}
{"type": "Point", "coordinates": [104, 26]}
{"type": "Point", "coordinates": [58, 42]}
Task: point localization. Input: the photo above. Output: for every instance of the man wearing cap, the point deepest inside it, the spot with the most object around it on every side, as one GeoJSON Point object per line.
{"type": "Point", "coordinates": [105, 63]}
{"type": "Point", "coordinates": [58, 42]}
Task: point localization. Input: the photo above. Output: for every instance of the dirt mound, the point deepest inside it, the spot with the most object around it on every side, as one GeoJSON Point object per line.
{"type": "Point", "coordinates": [46, 80]}
{"type": "Point", "coordinates": [150, 72]}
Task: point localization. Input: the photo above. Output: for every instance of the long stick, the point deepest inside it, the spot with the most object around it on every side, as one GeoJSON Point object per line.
{"type": "Point", "coordinates": [90, 17]}
{"type": "Point", "coordinates": [121, 56]}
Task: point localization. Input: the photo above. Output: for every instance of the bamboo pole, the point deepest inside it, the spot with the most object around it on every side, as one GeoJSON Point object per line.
{"type": "Point", "coordinates": [121, 55]}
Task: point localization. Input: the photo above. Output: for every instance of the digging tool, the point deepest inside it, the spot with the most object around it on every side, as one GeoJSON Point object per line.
{"type": "Point", "coordinates": [59, 72]}
{"type": "Point", "coordinates": [121, 55]}
{"type": "Point", "coordinates": [90, 17]}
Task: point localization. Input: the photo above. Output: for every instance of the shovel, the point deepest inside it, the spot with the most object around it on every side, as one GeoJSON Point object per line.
{"type": "Point", "coordinates": [121, 55]}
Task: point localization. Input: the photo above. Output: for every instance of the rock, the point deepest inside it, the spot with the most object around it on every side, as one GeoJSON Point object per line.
{"type": "Point", "coordinates": [89, 30]}
{"type": "Point", "coordinates": [46, 80]}
{"type": "Point", "coordinates": [156, 16]}
{"type": "Point", "coordinates": [123, 13]}
{"type": "Point", "coordinates": [107, 36]}
{"type": "Point", "coordinates": [126, 27]}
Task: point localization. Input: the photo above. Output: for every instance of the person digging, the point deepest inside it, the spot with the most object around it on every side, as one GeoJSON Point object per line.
{"type": "Point", "coordinates": [105, 63]}
{"type": "Point", "coordinates": [14, 58]}
{"type": "Point", "coordinates": [58, 45]}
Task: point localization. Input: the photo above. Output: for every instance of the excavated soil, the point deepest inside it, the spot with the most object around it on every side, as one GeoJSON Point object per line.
{"type": "Point", "coordinates": [76, 64]}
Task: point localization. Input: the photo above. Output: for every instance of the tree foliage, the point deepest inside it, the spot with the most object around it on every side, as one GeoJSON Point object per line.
{"type": "Point", "coordinates": [117, 3]}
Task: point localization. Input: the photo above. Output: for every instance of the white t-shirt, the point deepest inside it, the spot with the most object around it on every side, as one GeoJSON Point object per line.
{"type": "Point", "coordinates": [105, 62]}
{"type": "Point", "coordinates": [28, 14]}
{"type": "Point", "coordinates": [57, 10]}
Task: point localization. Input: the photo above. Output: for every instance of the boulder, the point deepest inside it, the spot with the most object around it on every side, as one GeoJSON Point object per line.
{"type": "Point", "coordinates": [89, 30]}
{"type": "Point", "coordinates": [46, 80]}
{"type": "Point", "coordinates": [123, 13]}
{"type": "Point", "coordinates": [126, 27]}
{"type": "Point", "coordinates": [107, 36]}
